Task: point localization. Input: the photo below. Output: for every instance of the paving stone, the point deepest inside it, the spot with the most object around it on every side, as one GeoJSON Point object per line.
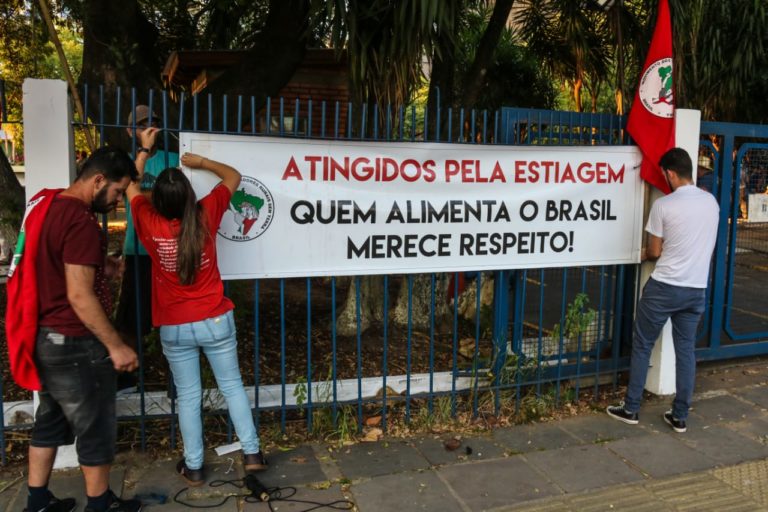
{"type": "Point", "coordinates": [471, 448]}
{"type": "Point", "coordinates": [405, 492]}
{"type": "Point", "coordinates": [651, 414]}
{"type": "Point", "coordinates": [219, 498]}
{"type": "Point", "coordinates": [723, 408]}
{"type": "Point", "coordinates": [724, 445]}
{"type": "Point", "coordinates": [660, 455]}
{"type": "Point", "coordinates": [699, 492]}
{"type": "Point", "coordinates": [283, 502]}
{"type": "Point", "coordinates": [160, 476]}
{"type": "Point", "coordinates": [731, 378]}
{"type": "Point", "coordinates": [652, 419]}
{"type": "Point", "coordinates": [634, 498]}
{"type": "Point", "coordinates": [366, 460]}
{"type": "Point", "coordinates": [583, 467]}
{"type": "Point", "coordinates": [757, 395]}
{"type": "Point", "coordinates": [600, 428]}
{"type": "Point", "coordinates": [153, 480]}
{"type": "Point", "coordinates": [750, 478]}
{"type": "Point", "coordinates": [12, 498]}
{"type": "Point", "coordinates": [528, 438]}
{"type": "Point", "coordinates": [293, 467]}
{"type": "Point", "coordinates": [490, 484]}
{"type": "Point", "coordinates": [70, 484]}
{"type": "Point", "coordinates": [757, 429]}
{"type": "Point", "coordinates": [156, 479]}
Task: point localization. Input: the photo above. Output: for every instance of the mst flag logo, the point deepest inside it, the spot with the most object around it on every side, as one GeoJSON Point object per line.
{"type": "Point", "coordinates": [656, 89]}
{"type": "Point", "coordinates": [250, 211]}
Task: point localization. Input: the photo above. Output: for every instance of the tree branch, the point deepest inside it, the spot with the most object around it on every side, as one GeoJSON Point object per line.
{"type": "Point", "coordinates": [484, 54]}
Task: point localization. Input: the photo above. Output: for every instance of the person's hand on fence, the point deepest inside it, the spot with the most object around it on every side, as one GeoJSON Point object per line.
{"type": "Point", "coordinates": [192, 160]}
{"type": "Point", "coordinates": [147, 138]}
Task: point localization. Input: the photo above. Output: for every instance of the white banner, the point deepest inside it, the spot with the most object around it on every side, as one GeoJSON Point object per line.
{"type": "Point", "coordinates": [330, 207]}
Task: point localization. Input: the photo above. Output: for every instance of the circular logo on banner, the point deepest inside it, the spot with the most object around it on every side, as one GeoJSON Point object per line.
{"type": "Point", "coordinates": [250, 212]}
{"type": "Point", "coordinates": [656, 89]}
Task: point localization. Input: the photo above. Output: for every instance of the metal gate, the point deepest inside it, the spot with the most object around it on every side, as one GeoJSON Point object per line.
{"type": "Point", "coordinates": [735, 323]}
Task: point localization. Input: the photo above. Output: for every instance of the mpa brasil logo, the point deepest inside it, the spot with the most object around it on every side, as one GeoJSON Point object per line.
{"type": "Point", "coordinates": [656, 89]}
{"type": "Point", "coordinates": [250, 211]}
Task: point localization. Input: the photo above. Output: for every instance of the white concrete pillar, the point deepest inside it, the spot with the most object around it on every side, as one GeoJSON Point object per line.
{"type": "Point", "coordinates": [49, 162]}
{"type": "Point", "coordinates": [49, 153]}
{"type": "Point", "coordinates": [661, 375]}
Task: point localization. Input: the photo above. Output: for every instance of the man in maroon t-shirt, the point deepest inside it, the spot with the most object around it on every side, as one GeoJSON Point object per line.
{"type": "Point", "coordinates": [78, 351]}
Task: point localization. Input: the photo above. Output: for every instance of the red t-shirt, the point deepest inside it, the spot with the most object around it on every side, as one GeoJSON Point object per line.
{"type": "Point", "coordinates": [70, 234]}
{"type": "Point", "coordinates": [172, 302]}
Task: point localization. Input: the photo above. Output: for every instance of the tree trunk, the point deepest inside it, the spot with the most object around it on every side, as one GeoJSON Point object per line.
{"type": "Point", "coordinates": [442, 78]}
{"type": "Point", "coordinates": [277, 52]}
{"type": "Point", "coordinates": [119, 50]}
{"type": "Point", "coordinates": [371, 305]}
{"type": "Point", "coordinates": [577, 84]}
{"type": "Point", "coordinates": [11, 208]}
{"type": "Point", "coordinates": [476, 76]}
{"type": "Point", "coordinates": [421, 302]}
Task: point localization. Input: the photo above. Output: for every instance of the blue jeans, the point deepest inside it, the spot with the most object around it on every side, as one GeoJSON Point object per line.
{"type": "Point", "coordinates": [658, 303]}
{"type": "Point", "coordinates": [77, 401]}
{"type": "Point", "coordinates": [181, 346]}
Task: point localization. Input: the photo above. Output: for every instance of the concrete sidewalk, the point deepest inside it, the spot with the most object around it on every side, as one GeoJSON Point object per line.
{"type": "Point", "coordinates": [589, 462]}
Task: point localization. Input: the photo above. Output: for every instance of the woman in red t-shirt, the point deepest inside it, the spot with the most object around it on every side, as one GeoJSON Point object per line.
{"type": "Point", "coordinates": [188, 302]}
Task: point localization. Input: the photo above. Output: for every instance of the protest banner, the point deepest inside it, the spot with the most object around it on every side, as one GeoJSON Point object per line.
{"type": "Point", "coordinates": [328, 207]}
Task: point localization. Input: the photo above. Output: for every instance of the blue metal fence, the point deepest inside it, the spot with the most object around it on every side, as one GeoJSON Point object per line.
{"type": "Point", "coordinates": [467, 357]}
{"type": "Point", "coordinates": [735, 324]}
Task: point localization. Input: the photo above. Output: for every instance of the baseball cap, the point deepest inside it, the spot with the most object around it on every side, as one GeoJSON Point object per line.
{"type": "Point", "coordinates": [142, 114]}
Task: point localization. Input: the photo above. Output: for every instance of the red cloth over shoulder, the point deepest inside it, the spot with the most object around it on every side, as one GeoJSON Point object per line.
{"type": "Point", "coordinates": [21, 316]}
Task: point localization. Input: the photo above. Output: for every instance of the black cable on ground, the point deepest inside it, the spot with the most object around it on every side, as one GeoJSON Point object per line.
{"type": "Point", "coordinates": [260, 494]}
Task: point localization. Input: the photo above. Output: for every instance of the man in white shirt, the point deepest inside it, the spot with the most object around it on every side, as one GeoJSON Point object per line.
{"type": "Point", "coordinates": [682, 229]}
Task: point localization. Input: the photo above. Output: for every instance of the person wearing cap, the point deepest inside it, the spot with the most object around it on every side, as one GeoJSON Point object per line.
{"type": "Point", "coordinates": [705, 177]}
{"type": "Point", "coordinates": [137, 279]}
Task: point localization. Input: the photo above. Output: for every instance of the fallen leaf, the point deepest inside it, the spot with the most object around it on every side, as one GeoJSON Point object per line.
{"type": "Point", "coordinates": [373, 435]}
{"type": "Point", "coordinates": [390, 392]}
{"type": "Point", "coordinates": [452, 444]}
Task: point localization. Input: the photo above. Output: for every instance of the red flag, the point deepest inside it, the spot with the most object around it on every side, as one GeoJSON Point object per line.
{"type": "Point", "coordinates": [652, 118]}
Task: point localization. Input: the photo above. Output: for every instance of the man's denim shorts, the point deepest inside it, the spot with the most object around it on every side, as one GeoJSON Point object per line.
{"type": "Point", "coordinates": [78, 396]}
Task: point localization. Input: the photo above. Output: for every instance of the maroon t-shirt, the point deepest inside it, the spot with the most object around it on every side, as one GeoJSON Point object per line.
{"type": "Point", "coordinates": [71, 234]}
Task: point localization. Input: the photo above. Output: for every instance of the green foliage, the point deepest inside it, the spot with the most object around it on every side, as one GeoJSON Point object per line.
{"type": "Point", "coordinates": [534, 407]}
{"type": "Point", "coordinates": [385, 42]}
{"type": "Point", "coordinates": [516, 368]}
{"type": "Point", "coordinates": [26, 52]}
{"type": "Point", "coordinates": [340, 431]}
{"type": "Point", "coordinates": [440, 414]}
{"type": "Point", "coordinates": [721, 58]}
{"type": "Point", "coordinates": [343, 431]}
{"type": "Point", "coordinates": [577, 318]}
{"type": "Point", "coordinates": [514, 77]}
{"type": "Point", "coordinates": [571, 41]}
{"type": "Point", "coordinates": [300, 391]}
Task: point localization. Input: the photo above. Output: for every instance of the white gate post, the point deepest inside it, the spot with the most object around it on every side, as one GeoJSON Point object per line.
{"type": "Point", "coordinates": [49, 154]}
{"type": "Point", "coordinates": [661, 375]}
{"type": "Point", "coordinates": [49, 162]}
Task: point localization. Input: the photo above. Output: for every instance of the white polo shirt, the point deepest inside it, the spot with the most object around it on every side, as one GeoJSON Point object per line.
{"type": "Point", "coordinates": [686, 220]}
